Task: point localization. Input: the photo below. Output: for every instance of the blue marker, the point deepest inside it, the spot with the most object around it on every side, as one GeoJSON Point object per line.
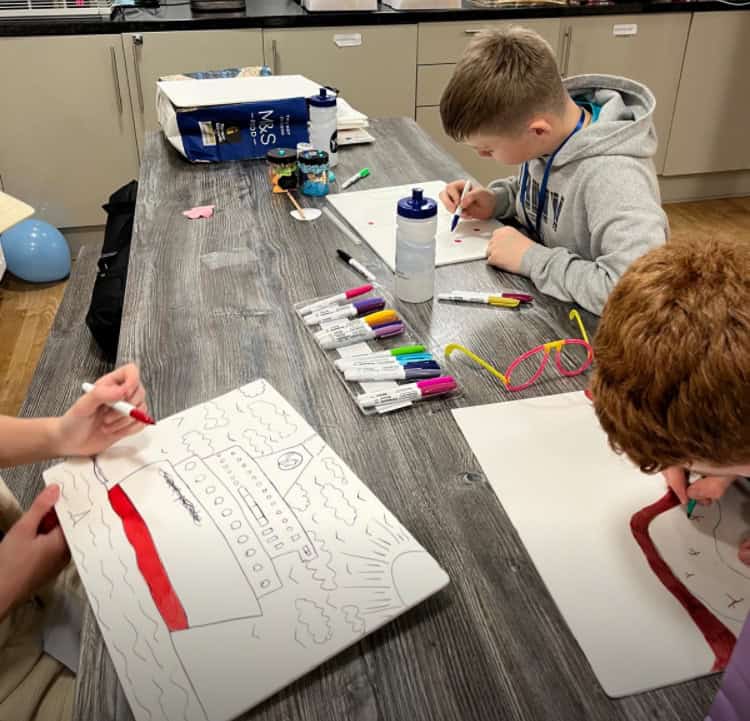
{"type": "Point", "coordinates": [460, 207]}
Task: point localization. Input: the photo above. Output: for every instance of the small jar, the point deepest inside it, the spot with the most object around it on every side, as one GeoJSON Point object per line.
{"type": "Point", "coordinates": [282, 169]}
{"type": "Point", "coordinates": [313, 172]}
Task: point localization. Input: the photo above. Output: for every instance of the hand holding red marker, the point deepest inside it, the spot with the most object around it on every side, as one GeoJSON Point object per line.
{"type": "Point", "coordinates": [125, 408]}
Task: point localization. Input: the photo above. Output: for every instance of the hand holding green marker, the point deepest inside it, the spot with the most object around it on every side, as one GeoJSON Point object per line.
{"type": "Point", "coordinates": [692, 502]}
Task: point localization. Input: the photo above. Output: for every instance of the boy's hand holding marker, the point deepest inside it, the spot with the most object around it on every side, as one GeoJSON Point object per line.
{"type": "Point", "coordinates": [507, 246]}
{"type": "Point", "coordinates": [478, 203]}
{"type": "Point", "coordinates": [704, 490]}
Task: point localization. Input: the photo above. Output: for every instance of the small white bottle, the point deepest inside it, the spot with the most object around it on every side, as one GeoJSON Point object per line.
{"type": "Point", "coordinates": [323, 124]}
{"type": "Point", "coordinates": [416, 225]}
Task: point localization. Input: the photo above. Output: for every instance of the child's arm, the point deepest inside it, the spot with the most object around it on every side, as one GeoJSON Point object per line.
{"type": "Point", "coordinates": [625, 221]}
{"type": "Point", "coordinates": [88, 427]}
{"type": "Point", "coordinates": [505, 192]}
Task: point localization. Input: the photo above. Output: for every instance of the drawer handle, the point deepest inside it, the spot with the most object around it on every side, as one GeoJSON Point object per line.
{"type": "Point", "coordinates": [472, 31]}
{"type": "Point", "coordinates": [275, 54]}
{"type": "Point", "coordinates": [137, 42]}
{"type": "Point", "coordinates": [118, 92]}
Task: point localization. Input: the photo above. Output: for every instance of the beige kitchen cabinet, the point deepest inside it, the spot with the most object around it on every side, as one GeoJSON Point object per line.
{"type": "Point", "coordinates": [646, 48]}
{"type": "Point", "coordinates": [373, 67]}
{"type": "Point", "coordinates": [152, 55]}
{"type": "Point", "coordinates": [444, 42]}
{"type": "Point", "coordinates": [67, 129]}
{"type": "Point", "coordinates": [709, 130]}
{"type": "Point", "coordinates": [440, 46]}
{"type": "Point", "coordinates": [483, 169]}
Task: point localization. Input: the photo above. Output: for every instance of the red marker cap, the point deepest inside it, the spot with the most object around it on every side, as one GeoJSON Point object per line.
{"type": "Point", "coordinates": [354, 292]}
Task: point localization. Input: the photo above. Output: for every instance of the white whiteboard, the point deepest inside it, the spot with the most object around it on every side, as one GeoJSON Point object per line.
{"type": "Point", "coordinates": [372, 213]}
{"type": "Point", "coordinates": [227, 551]}
{"type": "Point", "coordinates": [571, 499]}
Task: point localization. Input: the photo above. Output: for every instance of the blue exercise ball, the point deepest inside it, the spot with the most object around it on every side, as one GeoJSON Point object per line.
{"type": "Point", "coordinates": [36, 251]}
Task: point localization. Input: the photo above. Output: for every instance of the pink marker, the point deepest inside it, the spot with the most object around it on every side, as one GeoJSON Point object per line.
{"type": "Point", "coordinates": [408, 392]}
{"type": "Point", "coordinates": [335, 299]}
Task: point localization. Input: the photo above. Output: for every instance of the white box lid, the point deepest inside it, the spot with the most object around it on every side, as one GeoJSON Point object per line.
{"type": "Point", "coordinates": [225, 91]}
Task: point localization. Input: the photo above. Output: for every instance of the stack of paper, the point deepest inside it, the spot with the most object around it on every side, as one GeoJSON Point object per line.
{"type": "Point", "coordinates": [352, 124]}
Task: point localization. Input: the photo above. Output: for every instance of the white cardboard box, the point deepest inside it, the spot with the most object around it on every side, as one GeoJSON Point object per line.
{"type": "Point", "coordinates": [339, 5]}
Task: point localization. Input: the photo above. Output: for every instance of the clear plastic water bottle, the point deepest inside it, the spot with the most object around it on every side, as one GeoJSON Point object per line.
{"type": "Point", "coordinates": [416, 225]}
{"type": "Point", "coordinates": [323, 124]}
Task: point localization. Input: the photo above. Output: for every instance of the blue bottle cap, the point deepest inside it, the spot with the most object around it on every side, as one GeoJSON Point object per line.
{"type": "Point", "coordinates": [417, 207]}
{"type": "Point", "coordinates": [322, 99]}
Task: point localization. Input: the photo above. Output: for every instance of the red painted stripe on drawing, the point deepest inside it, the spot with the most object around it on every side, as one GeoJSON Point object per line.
{"type": "Point", "coordinates": [718, 636]}
{"type": "Point", "coordinates": [149, 563]}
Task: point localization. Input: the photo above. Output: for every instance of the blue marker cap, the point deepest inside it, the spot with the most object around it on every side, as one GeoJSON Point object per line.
{"type": "Point", "coordinates": [410, 357]}
{"type": "Point", "coordinates": [425, 365]}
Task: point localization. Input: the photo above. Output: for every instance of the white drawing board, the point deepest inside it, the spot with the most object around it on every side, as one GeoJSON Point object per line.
{"type": "Point", "coordinates": [227, 551]}
{"type": "Point", "coordinates": [571, 499]}
{"type": "Point", "coordinates": [372, 213]}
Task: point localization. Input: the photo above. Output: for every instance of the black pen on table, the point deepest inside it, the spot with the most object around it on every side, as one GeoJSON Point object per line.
{"type": "Point", "coordinates": [355, 264]}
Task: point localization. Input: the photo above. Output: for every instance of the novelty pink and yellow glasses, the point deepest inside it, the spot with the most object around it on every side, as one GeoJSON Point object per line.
{"type": "Point", "coordinates": [573, 356]}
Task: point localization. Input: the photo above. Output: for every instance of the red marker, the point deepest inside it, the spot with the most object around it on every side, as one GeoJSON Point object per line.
{"type": "Point", "coordinates": [125, 408]}
{"type": "Point", "coordinates": [49, 521]}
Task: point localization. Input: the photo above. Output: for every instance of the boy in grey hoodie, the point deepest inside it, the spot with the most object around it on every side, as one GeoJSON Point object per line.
{"type": "Point", "coordinates": [585, 146]}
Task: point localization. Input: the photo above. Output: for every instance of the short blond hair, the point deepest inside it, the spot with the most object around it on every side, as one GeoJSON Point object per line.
{"type": "Point", "coordinates": [502, 80]}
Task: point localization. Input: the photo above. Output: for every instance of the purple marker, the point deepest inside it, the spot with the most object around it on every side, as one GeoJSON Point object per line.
{"type": "Point", "coordinates": [349, 336]}
{"type": "Point", "coordinates": [351, 310]}
{"type": "Point", "coordinates": [409, 372]}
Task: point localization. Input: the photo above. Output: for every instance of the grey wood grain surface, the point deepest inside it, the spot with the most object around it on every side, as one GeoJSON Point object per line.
{"type": "Point", "coordinates": [209, 308]}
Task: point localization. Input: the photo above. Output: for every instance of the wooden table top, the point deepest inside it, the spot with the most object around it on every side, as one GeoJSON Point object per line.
{"type": "Point", "coordinates": [209, 307]}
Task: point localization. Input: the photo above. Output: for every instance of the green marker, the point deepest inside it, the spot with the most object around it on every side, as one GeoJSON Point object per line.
{"type": "Point", "coordinates": [357, 176]}
{"type": "Point", "coordinates": [692, 503]}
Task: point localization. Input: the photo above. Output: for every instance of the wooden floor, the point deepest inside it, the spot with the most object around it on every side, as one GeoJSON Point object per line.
{"type": "Point", "coordinates": [27, 311]}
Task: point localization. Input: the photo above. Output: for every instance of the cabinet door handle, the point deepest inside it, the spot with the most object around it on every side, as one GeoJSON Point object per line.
{"type": "Point", "coordinates": [472, 31]}
{"type": "Point", "coordinates": [138, 40]}
{"type": "Point", "coordinates": [116, 76]}
{"type": "Point", "coordinates": [275, 57]}
{"type": "Point", "coordinates": [567, 43]}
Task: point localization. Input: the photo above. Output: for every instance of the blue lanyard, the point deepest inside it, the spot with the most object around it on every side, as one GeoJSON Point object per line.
{"type": "Point", "coordinates": [540, 204]}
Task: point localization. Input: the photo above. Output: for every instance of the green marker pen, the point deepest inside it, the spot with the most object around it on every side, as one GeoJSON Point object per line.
{"type": "Point", "coordinates": [357, 176]}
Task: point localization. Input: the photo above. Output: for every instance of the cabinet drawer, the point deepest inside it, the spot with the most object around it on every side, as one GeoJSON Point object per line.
{"type": "Point", "coordinates": [375, 68]}
{"type": "Point", "coordinates": [444, 42]}
{"type": "Point", "coordinates": [431, 81]}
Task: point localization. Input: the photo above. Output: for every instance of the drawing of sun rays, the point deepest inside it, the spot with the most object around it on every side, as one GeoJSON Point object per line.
{"type": "Point", "coordinates": [381, 577]}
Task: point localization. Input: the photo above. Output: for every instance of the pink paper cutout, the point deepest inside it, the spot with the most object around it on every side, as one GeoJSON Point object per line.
{"type": "Point", "coordinates": [199, 211]}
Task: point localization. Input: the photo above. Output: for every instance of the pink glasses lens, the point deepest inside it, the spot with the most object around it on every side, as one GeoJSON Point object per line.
{"type": "Point", "coordinates": [574, 357]}
{"type": "Point", "coordinates": [526, 369]}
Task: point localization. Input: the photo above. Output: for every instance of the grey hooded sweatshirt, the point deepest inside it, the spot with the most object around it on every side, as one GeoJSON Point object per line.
{"type": "Point", "coordinates": [602, 209]}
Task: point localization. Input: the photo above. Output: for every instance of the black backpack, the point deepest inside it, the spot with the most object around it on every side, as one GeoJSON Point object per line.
{"type": "Point", "coordinates": [105, 311]}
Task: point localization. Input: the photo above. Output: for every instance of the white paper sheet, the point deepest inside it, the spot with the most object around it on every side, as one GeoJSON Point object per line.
{"type": "Point", "coordinates": [260, 555]}
{"type": "Point", "coordinates": [372, 213]}
{"type": "Point", "coordinates": [571, 499]}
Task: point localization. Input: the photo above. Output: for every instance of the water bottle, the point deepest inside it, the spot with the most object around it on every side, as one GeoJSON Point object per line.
{"type": "Point", "coordinates": [416, 225]}
{"type": "Point", "coordinates": [323, 127]}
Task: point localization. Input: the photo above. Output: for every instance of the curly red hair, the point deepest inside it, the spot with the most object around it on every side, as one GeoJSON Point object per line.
{"type": "Point", "coordinates": [672, 379]}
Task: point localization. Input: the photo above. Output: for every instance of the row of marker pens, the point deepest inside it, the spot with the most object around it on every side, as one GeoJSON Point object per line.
{"type": "Point", "coordinates": [347, 319]}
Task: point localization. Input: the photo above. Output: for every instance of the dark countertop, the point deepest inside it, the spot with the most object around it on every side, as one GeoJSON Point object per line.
{"type": "Point", "coordinates": [177, 15]}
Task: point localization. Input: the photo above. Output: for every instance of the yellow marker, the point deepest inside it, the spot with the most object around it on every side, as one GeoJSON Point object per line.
{"type": "Point", "coordinates": [381, 317]}
{"type": "Point", "coordinates": [471, 296]}
{"type": "Point", "coordinates": [503, 302]}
